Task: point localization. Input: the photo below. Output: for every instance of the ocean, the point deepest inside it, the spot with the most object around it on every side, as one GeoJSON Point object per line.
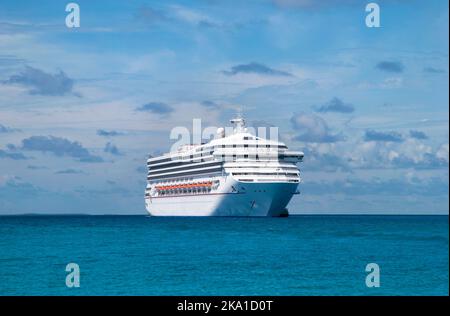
{"type": "Point", "coordinates": [297, 255]}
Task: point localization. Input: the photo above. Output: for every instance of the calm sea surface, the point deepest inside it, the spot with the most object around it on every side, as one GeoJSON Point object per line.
{"type": "Point", "coordinates": [298, 255]}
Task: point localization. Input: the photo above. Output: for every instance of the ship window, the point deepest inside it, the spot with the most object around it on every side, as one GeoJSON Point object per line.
{"type": "Point", "coordinates": [234, 145]}
{"type": "Point", "coordinates": [245, 146]}
{"type": "Point", "coordinates": [245, 156]}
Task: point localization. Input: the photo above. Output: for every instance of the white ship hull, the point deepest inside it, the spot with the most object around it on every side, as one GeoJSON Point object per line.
{"type": "Point", "coordinates": [233, 198]}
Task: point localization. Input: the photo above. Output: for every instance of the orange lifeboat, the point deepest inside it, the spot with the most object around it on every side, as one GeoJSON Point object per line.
{"type": "Point", "coordinates": [202, 184]}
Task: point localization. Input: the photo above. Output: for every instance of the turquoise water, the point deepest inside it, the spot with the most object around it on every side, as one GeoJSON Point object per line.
{"type": "Point", "coordinates": [298, 255]}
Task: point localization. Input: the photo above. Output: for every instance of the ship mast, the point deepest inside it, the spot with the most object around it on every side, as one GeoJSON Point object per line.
{"type": "Point", "coordinates": [238, 122]}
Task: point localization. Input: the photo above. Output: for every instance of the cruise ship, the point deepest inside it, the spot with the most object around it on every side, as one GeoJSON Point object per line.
{"type": "Point", "coordinates": [232, 175]}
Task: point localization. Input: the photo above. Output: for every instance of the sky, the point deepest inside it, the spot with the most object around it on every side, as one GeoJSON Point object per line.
{"type": "Point", "coordinates": [82, 108]}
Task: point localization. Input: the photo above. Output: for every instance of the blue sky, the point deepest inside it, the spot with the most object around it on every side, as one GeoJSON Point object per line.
{"type": "Point", "coordinates": [81, 108]}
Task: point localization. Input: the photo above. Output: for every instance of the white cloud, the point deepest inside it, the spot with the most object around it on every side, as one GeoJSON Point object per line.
{"type": "Point", "coordinates": [442, 152]}
{"type": "Point", "coordinates": [392, 83]}
{"type": "Point", "coordinates": [314, 129]}
{"type": "Point", "coordinates": [191, 16]}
